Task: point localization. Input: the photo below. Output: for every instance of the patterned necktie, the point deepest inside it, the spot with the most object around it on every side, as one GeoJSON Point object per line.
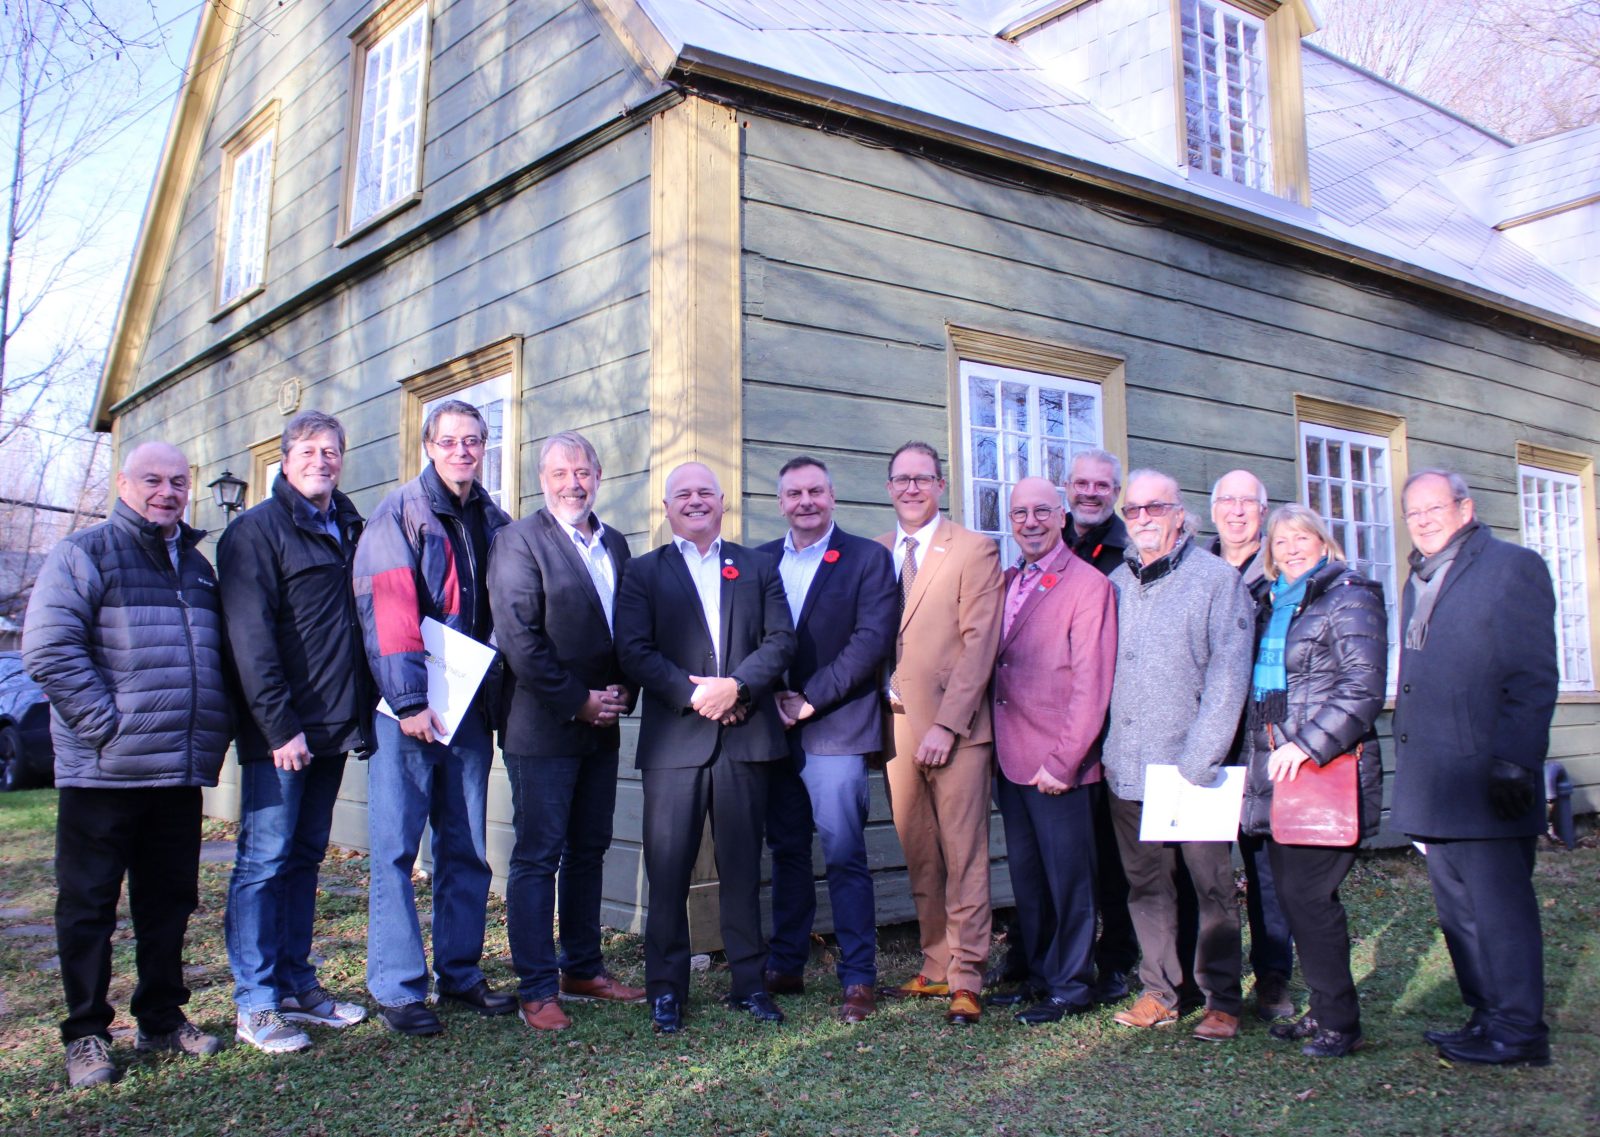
{"type": "Point", "coordinates": [1019, 594]}
{"type": "Point", "coordinates": [908, 577]}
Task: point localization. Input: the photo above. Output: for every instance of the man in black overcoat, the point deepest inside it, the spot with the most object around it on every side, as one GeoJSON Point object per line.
{"type": "Point", "coordinates": [703, 629]}
{"type": "Point", "coordinates": [1477, 688]}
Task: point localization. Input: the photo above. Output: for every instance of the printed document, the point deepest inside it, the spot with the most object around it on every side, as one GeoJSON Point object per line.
{"type": "Point", "coordinates": [457, 664]}
{"type": "Point", "coordinates": [1175, 809]}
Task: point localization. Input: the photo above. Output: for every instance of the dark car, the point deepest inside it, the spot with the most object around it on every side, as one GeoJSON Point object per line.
{"type": "Point", "coordinates": [27, 757]}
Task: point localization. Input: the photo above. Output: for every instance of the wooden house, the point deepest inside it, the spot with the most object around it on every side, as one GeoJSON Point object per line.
{"type": "Point", "coordinates": [735, 230]}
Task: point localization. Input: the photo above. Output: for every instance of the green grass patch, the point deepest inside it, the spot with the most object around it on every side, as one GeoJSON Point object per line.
{"type": "Point", "coordinates": [903, 1073]}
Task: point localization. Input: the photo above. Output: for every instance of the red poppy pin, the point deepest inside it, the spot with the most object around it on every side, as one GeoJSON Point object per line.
{"type": "Point", "coordinates": [729, 572]}
{"type": "Point", "coordinates": [831, 556]}
{"type": "Point", "coordinates": [1048, 580]}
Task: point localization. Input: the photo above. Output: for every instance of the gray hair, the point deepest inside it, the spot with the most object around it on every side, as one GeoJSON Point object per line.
{"type": "Point", "coordinates": [569, 440]}
{"type": "Point", "coordinates": [1105, 456]}
{"type": "Point", "coordinates": [309, 424]}
{"type": "Point", "coordinates": [1151, 472]}
{"type": "Point", "coordinates": [1296, 516]}
{"type": "Point", "coordinates": [453, 407]}
{"type": "Point", "coordinates": [1458, 485]}
{"type": "Point", "coordinates": [1261, 487]}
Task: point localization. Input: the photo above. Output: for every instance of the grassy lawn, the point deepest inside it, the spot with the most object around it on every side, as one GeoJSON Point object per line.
{"type": "Point", "coordinates": [903, 1072]}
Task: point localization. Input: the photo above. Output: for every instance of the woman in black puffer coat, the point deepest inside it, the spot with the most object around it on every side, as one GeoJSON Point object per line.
{"type": "Point", "coordinates": [1322, 651]}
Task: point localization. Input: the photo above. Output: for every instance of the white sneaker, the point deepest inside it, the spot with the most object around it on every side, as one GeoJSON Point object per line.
{"type": "Point", "coordinates": [268, 1033]}
{"type": "Point", "coordinates": [319, 1008]}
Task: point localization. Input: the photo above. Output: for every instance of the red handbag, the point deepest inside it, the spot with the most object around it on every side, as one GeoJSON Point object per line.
{"type": "Point", "coordinates": [1320, 805]}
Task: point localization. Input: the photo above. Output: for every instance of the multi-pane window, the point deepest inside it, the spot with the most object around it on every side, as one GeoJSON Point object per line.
{"type": "Point", "coordinates": [389, 132]}
{"type": "Point", "coordinates": [247, 204]}
{"type": "Point", "coordinates": [1017, 424]}
{"type": "Point", "coordinates": [1346, 478]}
{"type": "Point", "coordinates": [492, 397]}
{"type": "Point", "coordinates": [1552, 526]}
{"type": "Point", "coordinates": [1226, 115]}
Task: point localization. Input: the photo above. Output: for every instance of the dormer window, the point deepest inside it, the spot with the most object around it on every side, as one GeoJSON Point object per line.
{"type": "Point", "coordinates": [1227, 123]}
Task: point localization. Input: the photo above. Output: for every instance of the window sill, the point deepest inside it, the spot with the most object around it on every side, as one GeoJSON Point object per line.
{"type": "Point", "coordinates": [1258, 201]}
{"type": "Point", "coordinates": [238, 301]}
{"type": "Point", "coordinates": [368, 224]}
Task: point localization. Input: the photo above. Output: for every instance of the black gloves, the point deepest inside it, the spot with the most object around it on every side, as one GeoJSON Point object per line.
{"type": "Point", "coordinates": [1511, 789]}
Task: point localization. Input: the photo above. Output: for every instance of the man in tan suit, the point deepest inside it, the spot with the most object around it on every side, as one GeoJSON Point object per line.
{"type": "Point", "coordinates": [941, 764]}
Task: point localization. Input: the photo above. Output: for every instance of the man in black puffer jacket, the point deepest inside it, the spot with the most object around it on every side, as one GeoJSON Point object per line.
{"type": "Point", "coordinates": [124, 634]}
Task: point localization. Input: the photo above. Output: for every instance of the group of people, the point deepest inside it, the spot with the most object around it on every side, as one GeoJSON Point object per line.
{"type": "Point", "coordinates": [770, 681]}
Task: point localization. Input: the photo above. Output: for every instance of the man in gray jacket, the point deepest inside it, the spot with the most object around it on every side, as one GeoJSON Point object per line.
{"type": "Point", "coordinates": [124, 634]}
{"type": "Point", "coordinates": [1185, 633]}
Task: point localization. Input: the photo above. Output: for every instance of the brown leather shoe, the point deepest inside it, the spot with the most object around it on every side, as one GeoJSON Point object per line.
{"type": "Point", "coordinates": [919, 988]}
{"type": "Point", "coordinates": [859, 1002]}
{"type": "Point", "coordinates": [601, 989]}
{"type": "Point", "coordinates": [1149, 1011]}
{"type": "Point", "coordinates": [780, 984]}
{"type": "Point", "coordinates": [545, 1014]}
{"type": "Point", "coordinates": [1217, 1026]}
{"type": "Point", "coordinates": [965, 1009]}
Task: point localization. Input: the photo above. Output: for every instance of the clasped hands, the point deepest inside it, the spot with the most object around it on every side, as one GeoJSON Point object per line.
{"type": "Point", "coordinates": [717, 697]}
{"type": "Point", "coordinates": [604, 708]}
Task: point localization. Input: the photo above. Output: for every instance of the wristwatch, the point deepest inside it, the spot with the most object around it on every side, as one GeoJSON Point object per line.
{"type": "Point", "coordinates": [742, 691]}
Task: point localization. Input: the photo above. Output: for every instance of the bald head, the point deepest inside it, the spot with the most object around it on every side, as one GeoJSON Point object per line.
{"type": "Point", "coordinates": [1036, 517]}
{"type": "Point", "coordinates": [694, 504]}
{"type": "Point", "coordinates": [154, 483]}
{"type": "Point", "coordinates": [1238, 503]}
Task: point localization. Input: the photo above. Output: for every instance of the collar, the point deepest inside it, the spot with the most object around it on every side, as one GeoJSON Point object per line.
{"type": "Point", "coordinates": [443, 500]}
{"type": "Point", "coordinates": [1148, 574]}
{"type": "Point", "coordinates": [578, 535]}
{"type": "Point", "coordinates": [820, 543]}
{"type": "Point", "coordinates": [687, 550]}
{"type": "Point", "coordinates": [924, 536]}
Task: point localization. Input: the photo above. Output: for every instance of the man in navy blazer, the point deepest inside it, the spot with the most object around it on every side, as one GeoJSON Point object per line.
{"type": "Point", "coordinates": [553, 580]}
{"type": "Point", "coordinates": [1478, 681]}
{"type": "Point", "coordinates": [843, 598]}
{"type": "Point", "coordinates": [709, 734]}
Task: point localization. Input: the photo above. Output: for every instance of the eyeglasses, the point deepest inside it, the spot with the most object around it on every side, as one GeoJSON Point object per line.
{"type": "Point", "coordinates": [902, 482]}
{"type": "Point", "coordinates": [1432, 513]}
{"type": "Point", "coordinates": [1229, 502]}
{"type": "Point", "coordinates": [471, 442]}
{"type": "Point", "coordinates": [1083, 485]}
{"type": "Point", "coordinates": [1038, 513]}
{"type": "Point", "coordinates": [1155, 509]}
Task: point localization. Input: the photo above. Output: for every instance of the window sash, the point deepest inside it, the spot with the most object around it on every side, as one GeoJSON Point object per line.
{"type": "Point", "coordinates": [249, 205]}
{"type": "Point", "coordinates": [391, 117]}
{"type": "Point", "coordinates": [1225, 91]}
{"type": "Point", "coordinates": [1017, 424]}
{"type": "Point", "coordinates": [492, 397]}
{"type": "Point", "coordinates": [1552, 526]}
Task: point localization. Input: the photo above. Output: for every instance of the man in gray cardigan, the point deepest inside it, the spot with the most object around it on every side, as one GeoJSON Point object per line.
{"type": "Point", "coordinates": [1185, 633]}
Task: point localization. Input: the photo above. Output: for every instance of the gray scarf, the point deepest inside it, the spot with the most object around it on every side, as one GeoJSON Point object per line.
{"type": "Point", "coordinates": [1427, 577]}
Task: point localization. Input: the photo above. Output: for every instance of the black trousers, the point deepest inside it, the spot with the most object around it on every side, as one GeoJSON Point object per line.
{"type": "Point", "coordinates": [1308, 879]}
{"type": "Point", "coordinates": [1118, 946]}
{"type": "Point", "coordinates": [152, 836]}
{"type": "Point", "coordinates": [1051, 857]}
{"type": "Point", "coordinates": [676, 804]}
{"type": "Point", "coordinates": [1271, 942]}
{"type": "Point", "coordinates": [1490, 919]}
{"type": "Point", "coordinates": [1153, 891]}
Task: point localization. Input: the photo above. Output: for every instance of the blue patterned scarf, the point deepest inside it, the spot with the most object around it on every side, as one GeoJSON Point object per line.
{"type": "Point", "coordinates": [1271, 681]}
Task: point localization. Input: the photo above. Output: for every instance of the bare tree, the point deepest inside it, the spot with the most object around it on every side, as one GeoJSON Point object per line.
{"type": "Point", "coordinates": [1523, 68]}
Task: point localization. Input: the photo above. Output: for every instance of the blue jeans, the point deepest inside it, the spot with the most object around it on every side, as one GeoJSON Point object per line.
{"type": "Point", "coordinates": [562, 817]}
{"type": "Point", "coordinates": [284, 820]}
{"type": "Point", "coordinates": [411, 784]}
{"type": "Point", "coordinates": [828, 793]}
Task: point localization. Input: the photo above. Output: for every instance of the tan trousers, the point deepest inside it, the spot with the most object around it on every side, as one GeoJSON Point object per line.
{"type": "Point", "coordinates": [942, 818]}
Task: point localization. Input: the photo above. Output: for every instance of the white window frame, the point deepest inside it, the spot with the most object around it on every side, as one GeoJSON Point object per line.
{"type": "Point", "coordinates": [390, 84]}
{"type": "Point", "coordinates": [1373, 497]}
{"type": "Point", "coordinates": [245, 210]}
{"type": "Point", "coordinates": [1227, 112]}
{"type": "Point", "coordinates": [1047, 455]}
{"type": "Point", "coordinates": [1553, 510]}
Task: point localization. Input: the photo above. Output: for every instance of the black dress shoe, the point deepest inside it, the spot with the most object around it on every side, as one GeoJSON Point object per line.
{"type": "Point", "coordinates": [1455, 1037]}
{"type": "Point", "coordinates": [1112, 987]}
{"type": "Point", "coordinates": [415, 1019]}
{"type": "Point", "coordinates": [758, 1005]}
{"type": "Point", "coordinates": [482, 998]}
{"type": "Point", "coordinates": [1487, 1051]}
{"type": "Point", "coordinates": [666, 1013]}
{"type": "Point", "coordinates": [1052, 1009]}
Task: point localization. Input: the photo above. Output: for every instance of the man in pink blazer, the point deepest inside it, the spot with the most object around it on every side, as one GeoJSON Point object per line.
{"type": "Point", "coordinates": [1052, 683]}
{"type": "Point", "coordinates": [941, 766]}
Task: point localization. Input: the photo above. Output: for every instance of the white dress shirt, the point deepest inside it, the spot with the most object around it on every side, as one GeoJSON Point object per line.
{"type": "Point", "coordinates": [597, 559]}
{"type": "Point", "coordinates": [706, 572]}
{"type": "Point", "coordinates": [799, 568]}
{"type": "Point", "coordinates": [924, 538]}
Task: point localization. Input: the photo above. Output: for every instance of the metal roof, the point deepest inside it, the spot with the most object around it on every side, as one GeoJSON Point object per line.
{"type": "Point", "coordinates": [1378, 156]}
{"type": "Point", "coordinates": [1536, 177]}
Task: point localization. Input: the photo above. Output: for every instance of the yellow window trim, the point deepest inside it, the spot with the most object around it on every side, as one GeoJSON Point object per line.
{"type": "Point", "coordinates": [385, 19]}
{"type": "Point", "coordinates": [262, 455]}
{"type": "Point", "coordinates": [1580, 466]}
{"type": "Point", "coordinates": [499, 358]}
{"type": "Point", "coordinates": [257, 126]}
{"type": "Point", "coordinates": [1347, 416]}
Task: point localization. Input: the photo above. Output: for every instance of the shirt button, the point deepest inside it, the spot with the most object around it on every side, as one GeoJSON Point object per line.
{"type": "Point", "coordinates": [1403, 738]}
{"type": "Point", "coordinates": [1406, 688]}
